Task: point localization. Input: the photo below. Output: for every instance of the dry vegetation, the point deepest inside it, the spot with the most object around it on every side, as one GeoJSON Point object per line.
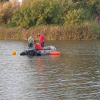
{"type": "Point", "coordinates": [85, 31]}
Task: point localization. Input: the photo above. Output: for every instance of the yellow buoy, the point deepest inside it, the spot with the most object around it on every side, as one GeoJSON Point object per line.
{"type": "Point", "coordinates": [13, 52]}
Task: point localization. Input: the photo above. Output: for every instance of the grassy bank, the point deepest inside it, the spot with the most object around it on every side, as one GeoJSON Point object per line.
{"type": "Point", "coordinates": [86, 31]}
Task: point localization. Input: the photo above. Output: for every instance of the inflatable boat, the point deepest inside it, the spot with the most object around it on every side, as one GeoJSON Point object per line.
{"type": "Point", "coordinates": [46, 51]}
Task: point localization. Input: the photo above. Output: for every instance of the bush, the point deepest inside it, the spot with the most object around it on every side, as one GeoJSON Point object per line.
{"type": "Point", "coordinates": [77, 16]}
{"type": "Point", "coordinates": [11, 24]}
{"type": "Point", "coordinates": [73, 17]}
{"type": "Point", "coordinates": [95, 28]}
{"type": "Point", "coordinates": [38, 12]}
{"type": "Point", "coordinates": [22, 17]}
{"type": "Point", "coordinates": [6, 11]}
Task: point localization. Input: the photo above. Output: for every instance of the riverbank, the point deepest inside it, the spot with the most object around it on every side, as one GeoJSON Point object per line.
{"type": "Point", "coordinates": [73, 32]}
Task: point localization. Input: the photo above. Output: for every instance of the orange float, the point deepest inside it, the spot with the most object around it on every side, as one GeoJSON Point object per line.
{"type": "Point", "coordinates": [54, 53]}
{"type": "Point", "coordinates": [13, 52]}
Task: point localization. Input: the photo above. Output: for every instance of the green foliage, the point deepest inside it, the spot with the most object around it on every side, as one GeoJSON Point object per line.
{"type": "Point", "coordinates": [68, 5]}
{"type": "Point", "coordinates": [22, 17]}
{"type": "Point", "coordinates": [73, 17]}
{"type": "Point", "coordinates": [39, 12]}
{"type": "Point", "coordinates": [95, 28]}
{"type": "Point", "coordinates": [47, 12]}
{"type": "Point", "coordinates": [77, 16]}
{"type": "Point", "coordinates": [86, 15]}
{"type": "Point", "coordinates": [11, 24]}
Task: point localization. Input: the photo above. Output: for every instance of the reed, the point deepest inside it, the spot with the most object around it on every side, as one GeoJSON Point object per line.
{"type": "Point", "coordinates": [85, 31]}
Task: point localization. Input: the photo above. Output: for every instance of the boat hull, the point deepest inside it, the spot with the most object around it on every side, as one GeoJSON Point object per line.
{"type": "Point", "coordinates": [45, 51]}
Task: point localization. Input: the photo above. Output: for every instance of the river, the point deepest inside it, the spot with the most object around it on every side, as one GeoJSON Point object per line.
{"type": "Point", "coordinates": [72, 75]}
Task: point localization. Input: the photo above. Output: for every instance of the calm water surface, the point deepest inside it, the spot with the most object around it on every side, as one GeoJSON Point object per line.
{"type": "Point", "coordinates": [74, 75]}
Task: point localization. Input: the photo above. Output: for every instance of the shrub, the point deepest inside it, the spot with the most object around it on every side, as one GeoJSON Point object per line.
{"type": "Point", "coordinates": [11, 24]}
{"type": "Point", "coordinates": [73, 17]}
{"type": "Point", "coordinates": [6, 11]}
{"type": "Point", "coordinates": [77, 16]}
{"type": "Point", "coordinates": [38, 12]}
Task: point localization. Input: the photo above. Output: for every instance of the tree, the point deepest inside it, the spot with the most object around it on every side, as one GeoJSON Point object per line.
{"type": "Point", "coordinates": [38, 12]}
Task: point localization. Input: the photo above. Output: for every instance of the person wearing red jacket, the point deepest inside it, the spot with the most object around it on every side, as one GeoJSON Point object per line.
{"type": "Point", "coordinates": [37, 46]}
{"type": "Point", "coordinates": [41, 39]}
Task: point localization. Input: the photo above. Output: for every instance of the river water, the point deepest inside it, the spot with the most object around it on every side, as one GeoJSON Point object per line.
{"type": "Point", "coordinates": [73, 75]}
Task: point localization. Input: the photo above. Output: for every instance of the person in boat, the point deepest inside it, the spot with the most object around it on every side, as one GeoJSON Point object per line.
{"type": "Point", "coordinates": [41, 39]}
{"type": "Point", "coordinates": [37, 46]}
{"type": "Point", "coordinates": [30, 41]}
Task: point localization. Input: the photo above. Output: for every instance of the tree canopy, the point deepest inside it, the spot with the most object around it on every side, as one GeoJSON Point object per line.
{"type": "Point", "coordinates": [55, 12]}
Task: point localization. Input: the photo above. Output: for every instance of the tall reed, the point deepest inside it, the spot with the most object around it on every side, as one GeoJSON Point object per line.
{"type": "Point", "coordinates": [85, 31]}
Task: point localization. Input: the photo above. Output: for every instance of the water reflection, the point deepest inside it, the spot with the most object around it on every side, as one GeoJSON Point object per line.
{"type": "Point", "coordinates": [40, 78]}
{"type": "Point", "coordinates": [39, 61]}
{"type": "Point", "coordinates": [55, 56]}
{"type": "Point", "coordinates": [72, 75]}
